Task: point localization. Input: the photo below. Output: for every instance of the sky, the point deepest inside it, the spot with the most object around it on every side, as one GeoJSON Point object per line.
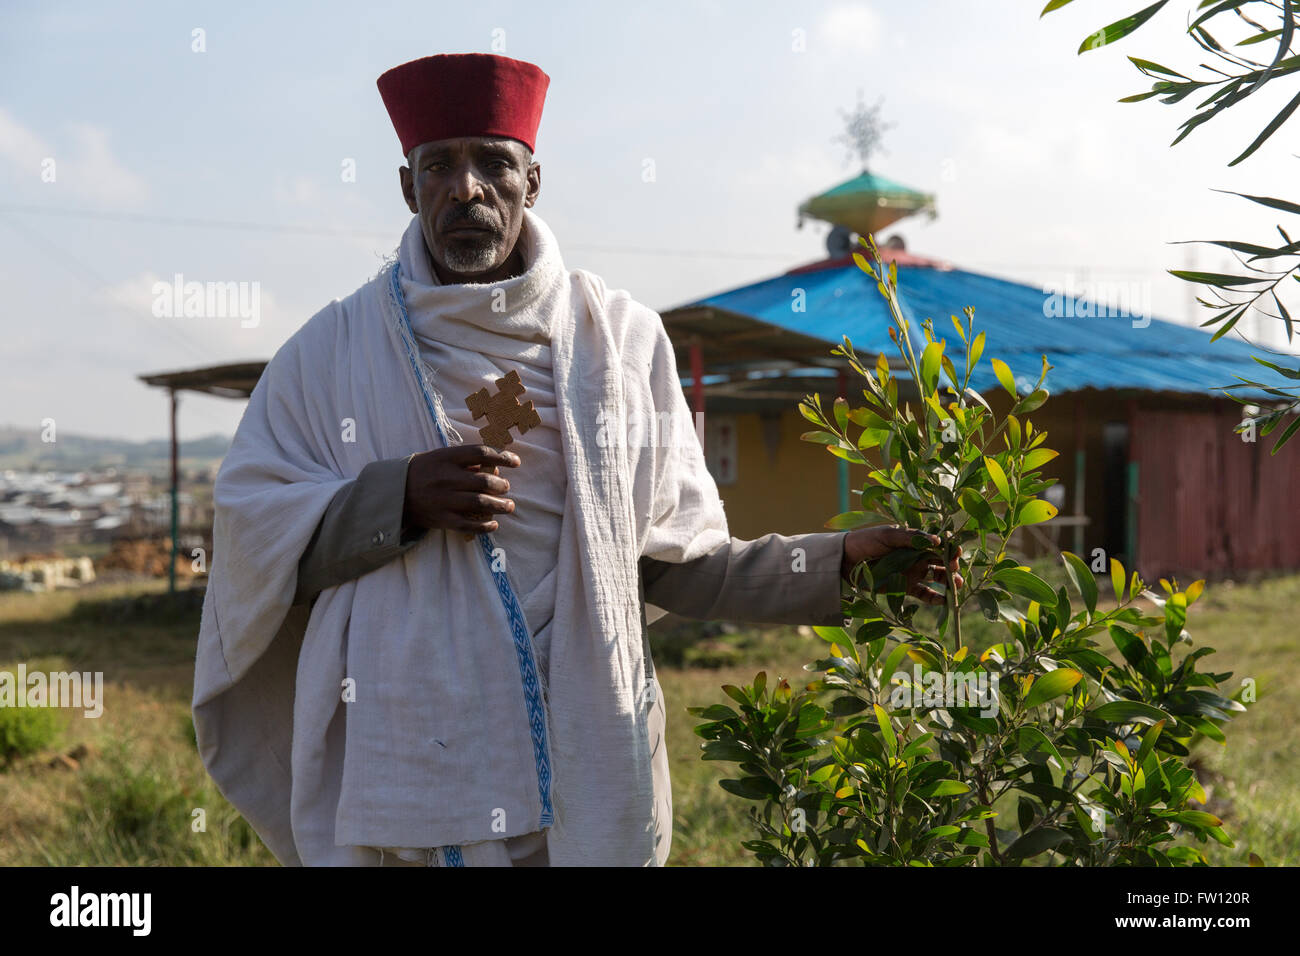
{"type": "Point", "coordinates": [247, 143]}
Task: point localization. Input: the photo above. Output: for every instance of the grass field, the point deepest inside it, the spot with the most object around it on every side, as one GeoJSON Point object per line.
{"type": "Point", "coordinates": [122, 789]}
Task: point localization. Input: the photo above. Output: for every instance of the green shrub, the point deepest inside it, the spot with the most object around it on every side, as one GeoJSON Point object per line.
{"type": "Point", "coordinates": [25, 731]}
{"type": "Point", "coordinates": [914, 748]}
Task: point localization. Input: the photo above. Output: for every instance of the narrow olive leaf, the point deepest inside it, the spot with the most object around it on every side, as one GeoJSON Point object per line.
{"type": "Point", "coordinates": [1286, 316]}
{"type": "Point", "coordinates": [1120, 28]}
{"type": "Point", "coordinates": [1052, 685]}
{"type": "Point", "coordinates": [1260, 37]}
{"type": "Point", "coordinates": [976, 350]}
{"type": "Point", "coordinates": [1270, 129]}
{"type": "Point", "coordinates": [1053, 5]}
{"type": "Point", "coordinates": [1269, 201]}
{"type": "Point", "coordinates": [1146, 66]}
{"type": "Point", "coordinates": [1292, 373]}
{"type": "Point", "coordinates": [1227, 326]}
{"type": "Point", "coordinates": [1214, 11]}
{"type": "Point", "coordinates": [1286, 435]}
{"type": "Point", "coordinates": [1215, 278]}
{"type": "Point", "coordinates": [1139, 97]}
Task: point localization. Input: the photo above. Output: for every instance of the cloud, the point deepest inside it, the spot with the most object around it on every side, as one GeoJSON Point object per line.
{"type": "Point", "coordinates": [85, 167]}
{"type": "Point", "coordinates": [850, 29]}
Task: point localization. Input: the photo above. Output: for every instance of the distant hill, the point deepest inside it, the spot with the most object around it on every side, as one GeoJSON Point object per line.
{"type": "Point", "coordinates": [22, 449]}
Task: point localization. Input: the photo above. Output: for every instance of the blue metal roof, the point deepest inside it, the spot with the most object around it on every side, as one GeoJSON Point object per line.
{"type": "Point", "coordinates": [1087, 350]}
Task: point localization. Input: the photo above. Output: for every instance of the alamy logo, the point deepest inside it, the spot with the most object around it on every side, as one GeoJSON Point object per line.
{"type": "Point", "coordinates": [934, 689]}
{"type": "Point", "coordinates": [75, 908]}
{"type": "Point", "coordinates": [55, 689]}
{"type": "Point", "coordinates": [657, 430]}
{"type": "Point", "coordinates": [1099, 300]}
{"type": "Point", "coordinates": [208, 300]}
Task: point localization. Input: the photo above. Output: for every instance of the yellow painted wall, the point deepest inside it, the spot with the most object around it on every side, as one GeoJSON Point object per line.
{"type": "Point", "coordinates": [793, 494]}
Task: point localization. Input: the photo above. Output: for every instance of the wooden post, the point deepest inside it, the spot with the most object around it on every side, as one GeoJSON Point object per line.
{"type": "Point", "coordinates": [176, 480]}
{"type": "Point", "coordinates": [697, 386]}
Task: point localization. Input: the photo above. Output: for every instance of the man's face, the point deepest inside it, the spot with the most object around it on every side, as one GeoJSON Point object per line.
{"type": "Point", "coordinates": [470, 194]}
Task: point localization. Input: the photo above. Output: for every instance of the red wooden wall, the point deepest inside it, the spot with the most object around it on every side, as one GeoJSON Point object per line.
{"type": "Point", "coordinates": [1210, 503]}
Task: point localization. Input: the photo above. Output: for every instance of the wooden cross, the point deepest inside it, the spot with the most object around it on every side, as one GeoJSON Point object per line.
{"type": "Point", "coordinates": [503, 411]}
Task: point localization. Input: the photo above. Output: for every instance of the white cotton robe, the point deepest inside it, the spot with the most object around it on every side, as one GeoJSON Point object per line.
{"type": "Point", "coordinates": [451, 740]}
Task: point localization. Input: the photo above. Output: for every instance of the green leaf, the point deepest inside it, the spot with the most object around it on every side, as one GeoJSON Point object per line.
{"type": "Point", "coordinates": [1033, 741]}
{"type": "Point", "coordinates": [1117, 579]}
{"type": "Point", "coordinates": [1053, 5]}
{"type": "Point", "coordinates": [1215, 278]}
{"type": "Point", "coordinates": [1269, 201]}
{"type": "Point", "coordinates": [886, 730]}
{"type": "Point", "coordinates": [847, 455]}
{"type": "Point", "coordinates": [1270, 129]}
{"type": "Point", "coordinates": [976, 350]}
{"type": "Point", "coordinates": [1130, 645]}
{"type": "Point", "coordinates": [1026, 584]}
{"type": "Point", "coordinates": [1051, 685]}
{"type": "Point", "coordinates": [1149, 741]}
{"type": "Point", "coordinates": [1128, 711]}
{"type": "Point", "coordinates": [1120, 28]}
{"type": "Point", "coordinates": [726, 750]}
{"type": "Point", "coordinates": [979, 509]}
{"type": "Point", "coordinates": [930, 364]}
{"type": "Point", "coordinates": [736, 694]}
{"type": "Point", "coordinates": [1146, 66]}
{"type": "Point", "coordinates": [1035, 511]}
{"type": "Point", "coordinates": [1035, 842]}
{"type": "Point", "coordinates": [751, 788]}
{"type": "Point", "coordinates": [841, 409]}
{"type": "Point", "coordinates": [1032, 401]}
{"type": "Point", "coordinates": [999, 478]}
{"type": "Point", "coordinates": [1286, 435]}
{"type": "Point", "coordinates": [942, 788]}
{"type": "Point", "coordinates": [855, 519]}
{"type": "Point", "coordinates": [1037, 457]}
{"type": "Point", "coordinates": [1082, 578]}
{"type": "Point", "coordinates": [820, 438]}
{"type": "Point", "coordinates": [1198, 818]}
{"type": "Point", "coordinates": [1003, 372]}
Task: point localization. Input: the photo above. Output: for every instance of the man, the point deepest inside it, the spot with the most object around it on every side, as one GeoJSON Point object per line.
{"type": "Point", "coordinates": [416, 647]}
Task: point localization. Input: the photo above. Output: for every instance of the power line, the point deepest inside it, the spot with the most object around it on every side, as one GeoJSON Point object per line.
{"type": "Point", "coordinates": [332, 231]}
{"type": "Point", "coordinates": [87, 274]}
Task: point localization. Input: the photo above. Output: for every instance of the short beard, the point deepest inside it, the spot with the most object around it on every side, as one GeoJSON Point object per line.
{"type": "Point", "coordinates": [470, 256]}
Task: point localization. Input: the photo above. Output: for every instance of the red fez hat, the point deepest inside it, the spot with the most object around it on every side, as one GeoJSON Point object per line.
{"type": "Point", "coordinates": [464, 94]}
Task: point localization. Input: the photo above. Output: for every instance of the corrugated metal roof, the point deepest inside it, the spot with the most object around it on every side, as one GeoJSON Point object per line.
{"type": "Point", "coordinates": [1021, 322]}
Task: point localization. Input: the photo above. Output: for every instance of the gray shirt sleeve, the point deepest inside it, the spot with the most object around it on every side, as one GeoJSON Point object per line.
{"type": "Point", "coordinates": [764, 581]}
{"type": "Point", "coordinates": [761, 581]}
{"type": "Point", "coordinates": [360, 530]}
